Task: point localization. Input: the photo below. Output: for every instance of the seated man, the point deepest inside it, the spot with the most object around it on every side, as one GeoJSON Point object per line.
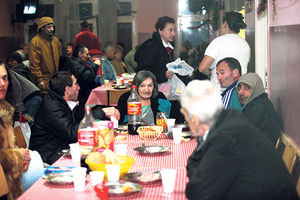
{"type": "Point", "coordinates": [108, 69]}
{"type": "Point", "coordinates": [233, 160]}
{"type": "Point", "coordinates": [257, 107]}
{"type": "Point", "coordinates": [229, 72]}
{"type": "Point", "coordinates": [84, 72]}
{"type": "Point", "coordinates": [56, 124]}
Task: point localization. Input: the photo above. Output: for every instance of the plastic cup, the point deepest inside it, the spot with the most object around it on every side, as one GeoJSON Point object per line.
{"type": "Point", "coordinates": [75, 154]}
{"type": "Point", "coordinates": [79, 174]}
{"type": "Point", "coordinates": [96, 177]}
{"type": "Point", "coordinates": [121, 149]}
{"type": "Point", "coordinates": [113, 173]}
{"type": "Point", "coordinates": [177, 131]}
{"type": "Point", "coordinates": [168, 179]}
{"type": "Point", "coordinates": [126, 83]}
{"type": "Point", "coordinates": [106, 83]}
{"type": "Point", "coordinates": [170, 124]}
{"type": "Point", "coordinates": [115, 121]}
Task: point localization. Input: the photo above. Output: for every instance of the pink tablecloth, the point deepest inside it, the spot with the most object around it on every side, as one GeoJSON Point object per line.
{"type": "Point", "coordinates": [176, 158]}
{"type": "Point", "coordinates": [98, 96]}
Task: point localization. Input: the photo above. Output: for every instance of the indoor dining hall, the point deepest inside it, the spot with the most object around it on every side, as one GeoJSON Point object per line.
{"type": "Point", "coordinates": [139, 99]}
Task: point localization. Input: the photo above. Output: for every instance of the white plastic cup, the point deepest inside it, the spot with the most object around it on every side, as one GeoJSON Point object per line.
{"type": "Point", "coordinates": [79, 174]}
{"type": "Point", "coordinates": [119, 82]}
{"type": "Point", "coordinates": [96, 177]}
{"type": "Point", "coordinates": [177, 131]}
{"type": "Point", "coordinates": [126, 82]}
{"type": "Point", "coordinates": [170, 124]}
{"type": "Point", "coordinates": [113, 173]}
{"type": "Point", "coordinates": [115, 121]}
{"type": "Point", "coordinates": [168, 179]}
{"type": "Point", "coordinates": [75, 154]}
{"type": "Point", "coordinates": [121, 149]}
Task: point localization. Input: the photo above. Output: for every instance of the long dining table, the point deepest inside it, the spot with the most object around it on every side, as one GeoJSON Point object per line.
{"type": "Point", "coordinates": [176, 158]}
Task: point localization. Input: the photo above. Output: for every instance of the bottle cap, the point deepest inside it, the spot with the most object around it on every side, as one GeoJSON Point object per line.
{"type": "Point", "coordinates": [133, 86]}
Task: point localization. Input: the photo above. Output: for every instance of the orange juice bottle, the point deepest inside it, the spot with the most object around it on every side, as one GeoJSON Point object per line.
{"type": "Point", "coordinates": [161, 120]}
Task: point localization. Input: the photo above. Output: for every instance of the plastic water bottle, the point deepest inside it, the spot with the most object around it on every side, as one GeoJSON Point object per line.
{"type": "Point", "coordinates": [87, 133]}
{"type": "Point", "coordinates": [134, 111]}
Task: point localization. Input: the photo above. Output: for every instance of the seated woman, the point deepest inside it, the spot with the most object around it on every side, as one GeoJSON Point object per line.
{"type": "Point", "coordinates": [12, 157]}
{"type": "Point", "coordinates": [152, 100]}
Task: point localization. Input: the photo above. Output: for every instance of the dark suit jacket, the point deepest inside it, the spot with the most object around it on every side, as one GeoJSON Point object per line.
{"type": "Point", "coordinates": [153, 56]}
{"type": "Point", "coordinates": [237, 162]}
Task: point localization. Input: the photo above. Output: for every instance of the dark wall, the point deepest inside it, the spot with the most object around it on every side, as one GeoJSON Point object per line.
{"type": "Point", "coordinates": [284, 75]}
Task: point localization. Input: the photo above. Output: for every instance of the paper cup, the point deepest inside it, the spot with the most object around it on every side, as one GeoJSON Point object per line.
{"type": "Point", "coordinates": [177, 131]}
{"type": "Point", "coordinates": [113, 173]}
{"type": "Point", "coordinates": [75, 154]}
{"type": "Point", "coordinates": [121, 149]}
{"type": "Point", "coordinates": [170, 124]}
{"type": "Point", "coordinates": [168, 179]}
{"type": "Point", "coordinates": [96, 177]}
{"type": "Point", "coordinates": [79, 174]}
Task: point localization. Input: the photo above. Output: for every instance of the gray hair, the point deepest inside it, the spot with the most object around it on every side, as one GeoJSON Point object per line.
{"type": "Point", "coordinates": [201, 98]}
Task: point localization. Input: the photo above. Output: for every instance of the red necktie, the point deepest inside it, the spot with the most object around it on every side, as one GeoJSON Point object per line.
{"type": "Point", "coordinates": [170, 50]}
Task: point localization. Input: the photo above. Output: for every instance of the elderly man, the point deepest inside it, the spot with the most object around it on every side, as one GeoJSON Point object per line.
{"type": "Point", "coordinates": [233, 161]}
{"type": "Point", "coordinates": [44, 52]}
{"type": "Point", "coordinates": [57, 121]}
{"type": "Point", "coordinates": [257, 107]}
{"type": "Point", "coordinates": [229, 72]}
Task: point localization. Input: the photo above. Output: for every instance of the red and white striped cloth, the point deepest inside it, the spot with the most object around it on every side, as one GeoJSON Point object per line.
{"type": "Point", "coordinates": [176, 159]}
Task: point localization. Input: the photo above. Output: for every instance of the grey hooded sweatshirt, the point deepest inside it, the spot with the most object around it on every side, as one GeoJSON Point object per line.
{"type": "Point", "coordinates": [259, 109]}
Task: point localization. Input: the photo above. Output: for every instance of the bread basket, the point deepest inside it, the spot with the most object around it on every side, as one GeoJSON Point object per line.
{"type": "Point", "coordinates": [150, 132]}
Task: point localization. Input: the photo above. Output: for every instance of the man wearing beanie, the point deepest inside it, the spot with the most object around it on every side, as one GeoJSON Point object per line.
{"type": "Point", "coordinates": [44, 52]}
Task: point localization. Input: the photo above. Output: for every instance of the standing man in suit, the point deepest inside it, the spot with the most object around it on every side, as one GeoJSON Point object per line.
{"type": "Point", "coordinates": [232, 160]}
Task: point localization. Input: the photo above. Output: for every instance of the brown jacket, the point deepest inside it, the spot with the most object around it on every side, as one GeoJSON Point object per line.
{"type": "Point", "coordinates": [44, 54]}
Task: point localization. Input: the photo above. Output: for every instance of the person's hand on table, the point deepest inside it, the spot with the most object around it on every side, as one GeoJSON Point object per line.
{"type": "Point", "coordinates": [112, 111]}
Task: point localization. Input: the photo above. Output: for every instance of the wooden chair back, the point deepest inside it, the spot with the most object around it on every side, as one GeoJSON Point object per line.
{"type": "Point", "coordinates": [114, 95]}
{"type": "Point", "coordinates": [20, 140]}
{"type": "Point", "coordinates": [3, 183]}
{"type": "Point", "coordinates": [291, 157]}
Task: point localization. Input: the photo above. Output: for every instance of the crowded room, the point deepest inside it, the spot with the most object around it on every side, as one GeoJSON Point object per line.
{"type": "Point", "coordinates": [139, 99]}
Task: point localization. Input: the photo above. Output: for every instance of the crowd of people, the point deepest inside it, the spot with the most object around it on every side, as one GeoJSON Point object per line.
{"type": "Point", "coordinates": [234, 121]}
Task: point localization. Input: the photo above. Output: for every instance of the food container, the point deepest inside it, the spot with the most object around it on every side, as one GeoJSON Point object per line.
{"type": "Point", "coordinates": [150, 132]}
{"type": "Point", "coordinates": [125, 164]}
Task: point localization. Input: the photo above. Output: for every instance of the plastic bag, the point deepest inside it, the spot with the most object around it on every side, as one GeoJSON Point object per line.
{"type": "Point", "coordinates": [176, 87]}
{"type": "Point", "coordinates": [25, 130]}
{"type": "Point", "coordinates": [180, 67]}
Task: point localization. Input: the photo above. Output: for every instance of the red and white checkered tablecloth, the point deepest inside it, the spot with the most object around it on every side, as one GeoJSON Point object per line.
{"type": "Point", "coordinates": [176, 159]}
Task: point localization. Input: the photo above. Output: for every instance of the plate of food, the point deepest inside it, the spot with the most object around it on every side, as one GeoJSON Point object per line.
{"type": "Point", "coordinates": [64, 178]}
{"type": "Point", "coordinates": [115, 86]}
{"type": "Point", "coordinates": [123, 188]}
{"type": "Point", "coordinates": [152, 150]}
{"type": "Point", "coordinates": [143, 177]}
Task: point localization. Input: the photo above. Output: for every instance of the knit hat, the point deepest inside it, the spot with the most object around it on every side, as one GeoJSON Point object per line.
{"type": "Point", "coordinates": [15, 56]}
{"type": "Point", "coordinates": [44, 21]}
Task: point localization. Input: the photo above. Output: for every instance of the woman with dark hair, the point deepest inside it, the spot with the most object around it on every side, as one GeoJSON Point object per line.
{"type": "Point", "coordinates": [156, 52]}
{"type": "Point", "coordinates": [229, 44]}
{"type": "Point", "coordinates": [152, 100]}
